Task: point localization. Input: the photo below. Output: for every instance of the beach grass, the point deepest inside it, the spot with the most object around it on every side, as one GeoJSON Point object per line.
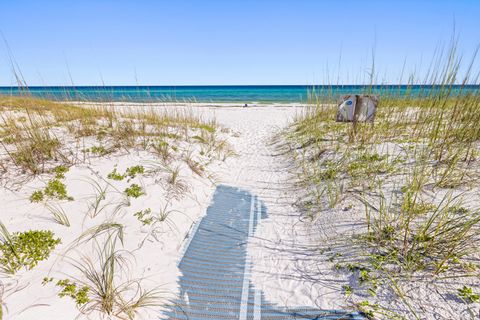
{"type": "Point", "coordinates": [42, 142]}
{"type": "Point", "coordinates": [34, 132]}
{"type": "Point", "coordinates": [411, 176]}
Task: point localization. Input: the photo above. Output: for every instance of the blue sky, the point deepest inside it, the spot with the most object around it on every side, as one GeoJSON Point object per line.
{"type": "Point", "coordinates": [120, 42]}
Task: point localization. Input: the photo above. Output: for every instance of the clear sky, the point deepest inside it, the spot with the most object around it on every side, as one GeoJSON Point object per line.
{"type": "Point", "coordinates": [120, 42]}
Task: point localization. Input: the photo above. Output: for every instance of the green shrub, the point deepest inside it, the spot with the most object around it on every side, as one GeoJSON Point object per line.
{"type": "Point", "coordinates": [26, 249]}
{"type": "Point", "coordinates": [467, 294]}
{"type": "Point", "coordinates": [134, 191]}
{"type": "Point", "coordinates": [115, 175]}
{"type": "Point", "coordinates": [60, 172]}
{"type": "Point", "coordinates": [57, 189]}
{"type": "Point", "coordinates": [144, 216]}
{"type": "Point", "coordinates": [133, 171]}
{"type": "Point", "coordinates": [37, 196]}
{"type": "Point", "coordinates": [347, 290]}
{"type": "Point", "coordinates": [70, 289]}
{"type": "Point", "coordinates": [99, 150]}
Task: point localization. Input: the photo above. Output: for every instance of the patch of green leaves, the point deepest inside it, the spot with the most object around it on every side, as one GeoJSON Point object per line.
{"type": "Point", "coordinates": [467, 294]}
{"type": "Point", "coordinates": [70, 289]}
{"type": "Point", "coordinates": [144, 216]}
{"type": "Point", "coordinates": [26, 249]}
{"type": "Point", "coordinates": [347, 290]}
{"type": "Point", "coordinates": [115, 175]}
{"type": "Point", "coordinates": [97, 150]}
{"type": "Point", "coordinates": [134, 191]}
{"type": "Point", "coordinates": [37, 196]}
{"type": "Point", "coordinates": [60, 172]}
{"type": "Point", "coordinates": [131, 172]}
{"type": "Point", "coordinates": [57, 189]}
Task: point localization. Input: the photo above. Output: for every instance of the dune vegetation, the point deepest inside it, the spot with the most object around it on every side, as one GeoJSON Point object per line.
{"type": "Point", "coordinates": [99, 186]}
{"type": "Point", "coordinates": [410, 183]}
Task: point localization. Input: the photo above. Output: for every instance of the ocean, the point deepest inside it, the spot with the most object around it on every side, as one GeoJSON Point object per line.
{"type": "Point", "coordinates": [219, 94]}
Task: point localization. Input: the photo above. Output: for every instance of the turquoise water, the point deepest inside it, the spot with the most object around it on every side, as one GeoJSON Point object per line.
{"type": "Point", "coordinates": [241, 94]}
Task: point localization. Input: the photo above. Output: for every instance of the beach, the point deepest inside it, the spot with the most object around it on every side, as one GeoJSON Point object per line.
{"type": "Point", "coordinates": [154, 251]}
{"type": "Point", "coordinates": [247, 160]}
{"type": "Point", "coordinates": [291, 255]}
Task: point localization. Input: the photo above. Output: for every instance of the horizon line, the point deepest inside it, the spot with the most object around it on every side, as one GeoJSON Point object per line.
{"type": "Point", "coordinates": [238, 85]}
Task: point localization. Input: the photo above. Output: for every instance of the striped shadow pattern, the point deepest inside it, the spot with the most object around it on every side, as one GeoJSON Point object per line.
{"type": "Point", "coordinates": [216, 269]}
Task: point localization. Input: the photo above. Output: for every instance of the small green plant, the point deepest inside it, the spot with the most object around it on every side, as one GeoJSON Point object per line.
{"type": "Point", "coordinates": [364, 276]}
{"type": "Point", "coordinates": [37, 196]}
{"type": "Point", "coordinates": [133, 171]}
{"type": "Point", "coordinates": [25, 249]}
{"type": "Point", "coordinates": [347, 290]}
{"type": "Point", "coordinates": [467, 294]}
{"type": "Point", "coordinates": [107, 293]}
{"type": "Point", "coordinates": [46, 280]}
{"type": "Point", "coordinates": [98, 150]}
{"type": "Point", "coordinates": [60, 172]}
{"type": "Point", "coordinates": [144, 216]}
{"type": "Point", "coordinates": [115, 175]}
{"type": "Point", "coordinates": [327, 174]}
{"type": "Point", "coordinates": [57, 189]}
{"type": "Point", "coordinates": [174, 175]}
{"type": "Point", "coordinates": [70, 289]}
{"type": "Point", "coordinates": [134, 191]}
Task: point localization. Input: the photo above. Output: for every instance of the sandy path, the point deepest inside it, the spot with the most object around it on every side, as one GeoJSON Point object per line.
{"type": "Point", "coordinates": [232, 238]}
{"type": "Point", "coordinates": [283, 248]}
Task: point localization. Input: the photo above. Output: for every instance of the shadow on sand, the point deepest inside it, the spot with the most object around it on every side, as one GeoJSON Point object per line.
{"type": "Point", "coordinates": [216, 269]}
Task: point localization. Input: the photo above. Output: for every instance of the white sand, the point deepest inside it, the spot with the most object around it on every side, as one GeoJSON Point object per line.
{"type": "Point", "coordinates": [154, 261]}
{"type": "Point", "coordinates": [287, 265]}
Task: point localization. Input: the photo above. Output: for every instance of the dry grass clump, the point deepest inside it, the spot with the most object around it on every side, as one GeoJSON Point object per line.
{"type": "Point", "coordinates": [111, 291]}
{"type": "Point", "coordinates": [37, 135]}
{"type": "Point", "coordinates": [412, 176]}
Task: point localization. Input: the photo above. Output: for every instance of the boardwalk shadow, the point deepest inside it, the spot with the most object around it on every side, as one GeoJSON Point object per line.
{"type": "Point", "coordinates": [215, 281]}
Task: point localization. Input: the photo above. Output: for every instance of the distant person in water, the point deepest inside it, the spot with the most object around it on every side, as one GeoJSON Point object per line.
{"type": "Point", "coordinates": [246, 105]}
